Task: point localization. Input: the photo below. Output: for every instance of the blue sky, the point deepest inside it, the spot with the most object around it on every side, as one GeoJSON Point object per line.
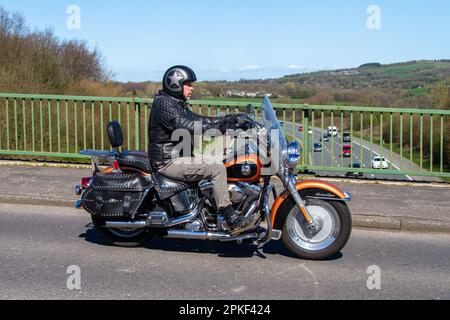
{"type": "Point", "coordinates": [234, 39]}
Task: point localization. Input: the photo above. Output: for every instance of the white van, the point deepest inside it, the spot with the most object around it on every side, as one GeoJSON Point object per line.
{"type": "Point", "coordinates": [332, 130]}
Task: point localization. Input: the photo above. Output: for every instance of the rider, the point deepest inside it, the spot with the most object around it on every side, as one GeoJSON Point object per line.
{"type": "Point", "coordinates": [170, 111]}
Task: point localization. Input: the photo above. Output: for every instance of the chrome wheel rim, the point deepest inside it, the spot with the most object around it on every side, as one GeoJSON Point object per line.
{"type": "Point", "coordinates": [328, 231]}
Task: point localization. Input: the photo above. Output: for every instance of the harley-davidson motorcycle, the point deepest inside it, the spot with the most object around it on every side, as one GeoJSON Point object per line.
{"type": "Point", "coordinates": [130, 203]}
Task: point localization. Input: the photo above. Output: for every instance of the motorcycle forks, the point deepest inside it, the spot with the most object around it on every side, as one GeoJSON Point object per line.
{"type": "Point", "coordinates": [301, 204]}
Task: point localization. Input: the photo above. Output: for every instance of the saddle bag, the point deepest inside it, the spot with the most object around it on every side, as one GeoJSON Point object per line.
{"type": "Point", "coordinates": [115, 195]}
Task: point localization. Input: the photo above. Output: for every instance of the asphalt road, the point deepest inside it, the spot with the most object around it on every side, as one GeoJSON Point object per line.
{"type": "Point", "coordinates": [362, 152]}
{"type": "Point", "coordinates": [332, 156]}
{"type": "Point", "coordinates": [38, 244]}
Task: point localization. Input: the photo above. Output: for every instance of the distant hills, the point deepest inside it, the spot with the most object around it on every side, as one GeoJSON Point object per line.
{"type": "Point", "coordinates": [407, 75]}
{"type": "Point", "coordinates": [415, 84]}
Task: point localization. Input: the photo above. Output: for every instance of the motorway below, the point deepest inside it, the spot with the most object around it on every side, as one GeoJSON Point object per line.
{"type": "Point", "coordinates": [39, 243]}
{"type": "Point", "coordinates": [362, 152]}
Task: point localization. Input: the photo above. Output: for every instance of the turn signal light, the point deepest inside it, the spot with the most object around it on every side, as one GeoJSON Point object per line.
{"type": "Point", "coordinates": [78, 190]}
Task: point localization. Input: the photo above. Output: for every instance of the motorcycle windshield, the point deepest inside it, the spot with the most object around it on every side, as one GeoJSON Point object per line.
{"type": "Point", "coordinates": [273, 125]}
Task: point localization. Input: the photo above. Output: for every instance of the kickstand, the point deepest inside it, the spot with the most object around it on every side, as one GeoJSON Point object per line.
{"type": "Point", "coordinates": [259, 252]}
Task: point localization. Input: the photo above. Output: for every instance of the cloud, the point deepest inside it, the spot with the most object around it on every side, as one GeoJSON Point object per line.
{"type": "Point", "coordinates": [297, 67]}
{"type": "Point", "coordinates": [294, 66]}
{"type": "Point", "coordinates": [249, 68]}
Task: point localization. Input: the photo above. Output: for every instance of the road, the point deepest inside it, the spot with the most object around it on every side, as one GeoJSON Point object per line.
{"type": "Point", "coordinates": [362, 153]}
{"type": "Point", "coordinates": [39, 243]}
{"type": "Point", "coordinates": [332, 156]}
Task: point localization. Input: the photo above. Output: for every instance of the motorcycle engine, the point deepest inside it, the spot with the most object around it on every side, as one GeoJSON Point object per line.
{"type": "Point", "coordinates": [243, 194]}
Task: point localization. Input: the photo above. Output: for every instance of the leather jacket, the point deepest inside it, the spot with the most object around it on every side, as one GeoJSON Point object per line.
{"type": "Point", "coordinates": [169, 114]}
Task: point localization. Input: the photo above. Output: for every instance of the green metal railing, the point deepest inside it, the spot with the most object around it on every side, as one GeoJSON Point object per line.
{"type": "Point", "coordinates": [415, 142]}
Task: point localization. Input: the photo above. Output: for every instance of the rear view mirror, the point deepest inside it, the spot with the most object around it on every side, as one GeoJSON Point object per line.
{"type": "Point", "coordinates": [115, 134]}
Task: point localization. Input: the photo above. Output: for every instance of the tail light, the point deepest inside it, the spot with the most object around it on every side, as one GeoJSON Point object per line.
{"type": "Point", "coordinates": [85, 182]}
{"type": "Point", "coordinates": [115, 165]}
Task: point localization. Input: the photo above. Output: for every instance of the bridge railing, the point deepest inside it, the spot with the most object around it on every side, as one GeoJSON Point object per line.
{"type": "Point", "coordinates": [415, 142]}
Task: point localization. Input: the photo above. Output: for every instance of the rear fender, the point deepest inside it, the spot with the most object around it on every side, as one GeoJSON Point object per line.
{"type": "Point", "coordinates": [308, 189]}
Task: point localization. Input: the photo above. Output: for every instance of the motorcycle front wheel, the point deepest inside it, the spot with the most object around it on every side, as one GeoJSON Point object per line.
{"type": "Point", "coordinates": [335, 225]}
{"type": "Point", "coordinates": [122, 237]}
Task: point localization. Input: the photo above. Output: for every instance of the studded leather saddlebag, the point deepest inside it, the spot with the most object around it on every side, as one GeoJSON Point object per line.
{"type": "Point", "coordinates": [115, 195]}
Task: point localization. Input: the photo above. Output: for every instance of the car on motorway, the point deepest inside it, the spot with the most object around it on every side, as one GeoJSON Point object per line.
{"type": "Point", "coordinates": [332, 131]}
{"type": "Point", "coordinates": [325, 138]}
{"type": "Point", "coordinates": [379, 163]}
{"type": "Point", "coordinates": [355, 174]}
{"type": "Point", "coordinates": [310, 131]}
{"type": "Point", "coordinates": [346, 137]}
{"type": "Point", "coordinates": [317, 147]}
{"type": "Point", "coordinates": [346, 150]}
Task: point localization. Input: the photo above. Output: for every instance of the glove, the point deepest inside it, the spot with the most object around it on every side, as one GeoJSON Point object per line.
{"type": "Point", "coordinates": [230, 118]}
{"type": "Point", "coordinates": [238, 121]}
{"type": "Point", "coordinates": [242, 118]}
{"type": "Point", "coordinates": [244, 122]}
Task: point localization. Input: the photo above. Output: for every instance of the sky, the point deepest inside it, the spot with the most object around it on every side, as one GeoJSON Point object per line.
{"type": "Point", "coordinates": [251, 39]}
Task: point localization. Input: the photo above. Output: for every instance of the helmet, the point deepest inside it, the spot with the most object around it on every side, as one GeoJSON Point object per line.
{"type": "Point", "coordinates": [174, 79]}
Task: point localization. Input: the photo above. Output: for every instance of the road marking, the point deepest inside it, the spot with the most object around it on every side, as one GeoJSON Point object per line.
{"type": "Point", "coordinates": [373, 151]}
{"type": "Point", "coordinates": [337, 142]}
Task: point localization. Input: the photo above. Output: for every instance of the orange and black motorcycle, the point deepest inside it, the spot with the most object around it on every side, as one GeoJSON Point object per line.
{"type": "Point", "coordinates": [129, 203]}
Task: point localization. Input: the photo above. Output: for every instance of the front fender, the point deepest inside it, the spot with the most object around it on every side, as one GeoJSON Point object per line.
{"type": "Point", "coordinates": [308, 189]}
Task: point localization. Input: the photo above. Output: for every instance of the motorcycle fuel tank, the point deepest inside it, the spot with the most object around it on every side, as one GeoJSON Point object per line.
{"type": "Point", "coordinates": [244, 169]}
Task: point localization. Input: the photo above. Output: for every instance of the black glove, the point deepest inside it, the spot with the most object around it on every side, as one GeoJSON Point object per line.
{"type": "Point", "coordinates": [230, 118]}
{"type": "Point", "coordinates": [242, 118]}
{"type": "Point", "coordinates": [244, 122]}
{"type": "Point", "coordinates": [238, 121]}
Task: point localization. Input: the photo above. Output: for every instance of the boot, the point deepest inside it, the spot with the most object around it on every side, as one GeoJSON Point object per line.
{"type": "Point", "coordinates": [233, 219]}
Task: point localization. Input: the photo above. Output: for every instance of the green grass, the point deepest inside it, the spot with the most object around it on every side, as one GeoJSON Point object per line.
{"type": "Point", "coordinates": [416, 159]}
{"type": "Point", "coordinates": [406, 154]}
{"type": "Point", "coordinates": [403, 71]}
{"type": "Point", "coordinates": [418, 91]}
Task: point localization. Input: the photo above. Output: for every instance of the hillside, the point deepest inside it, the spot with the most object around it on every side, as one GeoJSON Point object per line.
{"type": "Point", "coordinates": [409, 75]}
{"type": "Point", "coordinates": [414, 84]}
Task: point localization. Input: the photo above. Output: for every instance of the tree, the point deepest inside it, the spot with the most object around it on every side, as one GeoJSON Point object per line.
{"type": "Point", "coordinates": [38, 62]}
{"type": "Point", "coordinates": [442, 94]}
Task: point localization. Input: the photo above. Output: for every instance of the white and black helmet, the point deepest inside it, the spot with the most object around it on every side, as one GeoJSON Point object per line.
{"type": "Point", "coordinates": [174, 79]}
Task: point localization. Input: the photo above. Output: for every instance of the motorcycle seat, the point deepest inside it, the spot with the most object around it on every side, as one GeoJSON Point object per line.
{"type": "Point", "coordinates": [167, 187]}
{"type": "Point", "coordinates": [135, 160]}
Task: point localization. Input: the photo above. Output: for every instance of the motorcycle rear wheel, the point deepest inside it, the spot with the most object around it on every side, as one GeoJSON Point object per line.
{"type": "Point", "coordinates": [336, 226]}
{"type": "Point", "coordinates": [122, 237]}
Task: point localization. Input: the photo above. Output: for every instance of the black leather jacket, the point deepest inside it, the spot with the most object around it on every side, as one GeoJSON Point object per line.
{"type": "Point", "coordinates": [168, 114]}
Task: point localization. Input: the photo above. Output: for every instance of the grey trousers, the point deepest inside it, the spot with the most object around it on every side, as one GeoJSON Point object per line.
{"type": "Point", "coordinates": [201, 168]}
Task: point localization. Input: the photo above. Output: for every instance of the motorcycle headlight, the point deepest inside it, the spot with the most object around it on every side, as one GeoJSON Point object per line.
{"type": "Point", "coordinates": [293, 154]}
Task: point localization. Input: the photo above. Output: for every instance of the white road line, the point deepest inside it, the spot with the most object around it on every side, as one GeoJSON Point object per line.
{"type": "Point", "coordinates": [337, 143]}
{"type": "Point", "coordinates": [411, 179]}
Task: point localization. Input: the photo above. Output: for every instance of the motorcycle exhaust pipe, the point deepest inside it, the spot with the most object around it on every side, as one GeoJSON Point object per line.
{"type": "Point", "coordinates": [185, 234]}
{"type": "Point", "coordinates": [126, 225]}
{"type": "Point", "coordinates": [173, 234]}
{"type": "Point", "coordinates": [148, 223]}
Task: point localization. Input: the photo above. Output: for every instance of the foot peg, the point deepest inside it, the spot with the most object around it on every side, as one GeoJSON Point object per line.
{"type": "Point", "coordinates": [275, 235]}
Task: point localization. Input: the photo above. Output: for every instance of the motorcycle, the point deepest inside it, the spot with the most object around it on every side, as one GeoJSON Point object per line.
{"type": "Point", "coordinates": [129, 203]}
